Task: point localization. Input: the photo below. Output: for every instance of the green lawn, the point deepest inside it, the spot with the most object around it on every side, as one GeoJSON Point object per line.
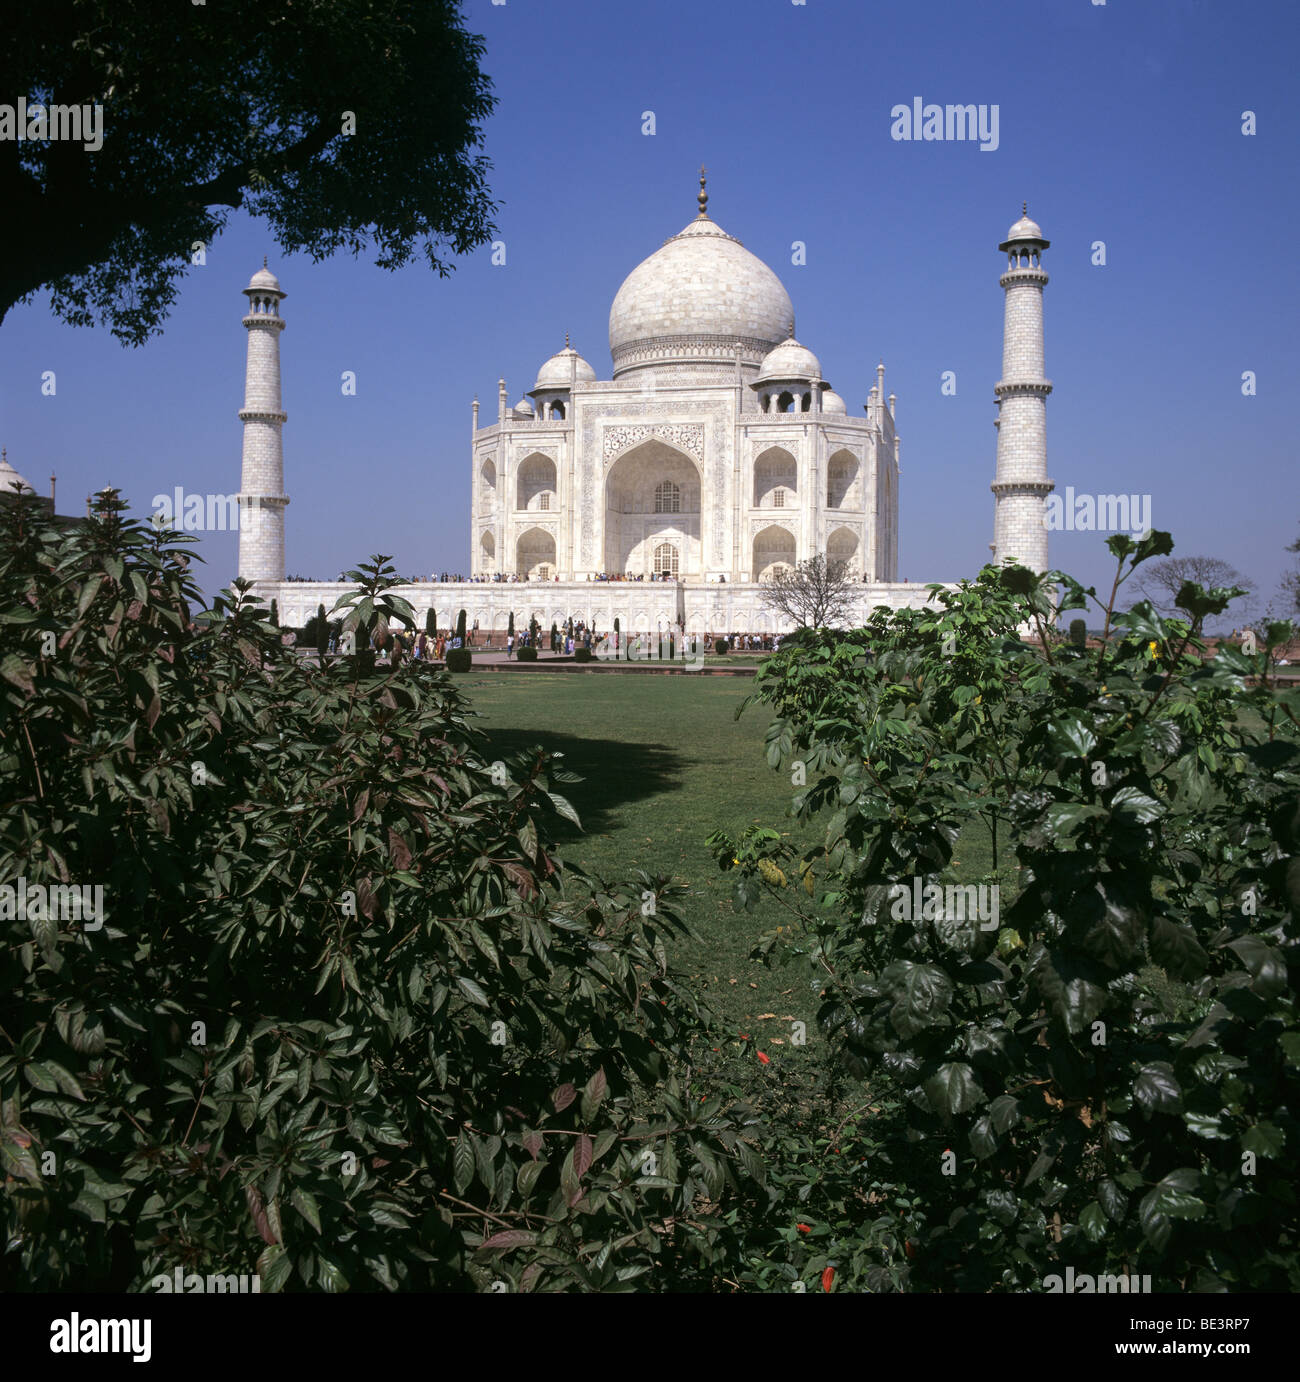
{"type": "Point", "coordinates": [665, 763]}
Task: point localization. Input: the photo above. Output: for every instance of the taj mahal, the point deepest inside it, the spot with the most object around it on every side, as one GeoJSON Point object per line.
{"type": "Point", "coordinates": [716, 454]}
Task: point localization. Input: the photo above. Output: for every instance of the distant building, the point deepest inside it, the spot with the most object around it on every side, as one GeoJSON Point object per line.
{"type": "Point", "coordinates": [12, 483]}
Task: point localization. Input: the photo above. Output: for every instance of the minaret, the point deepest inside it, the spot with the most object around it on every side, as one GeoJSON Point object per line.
{"type": "Point", "coordinates": [262, 498]}
{"type": "Point", "coordinates": [1021, 488]}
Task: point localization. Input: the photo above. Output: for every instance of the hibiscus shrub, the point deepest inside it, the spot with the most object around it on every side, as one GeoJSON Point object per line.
{"type": "Point", "coordinates": [345, 1019]}
{"type": "Point", "coordinates": [1103, 1073]}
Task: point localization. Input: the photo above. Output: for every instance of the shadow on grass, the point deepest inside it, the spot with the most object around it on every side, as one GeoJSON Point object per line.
{"type": "Point", "coordinates": [613, 774]}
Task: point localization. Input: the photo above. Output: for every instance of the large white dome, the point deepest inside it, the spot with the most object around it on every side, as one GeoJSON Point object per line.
{"type": "Point", "coordinates": [694, 299]}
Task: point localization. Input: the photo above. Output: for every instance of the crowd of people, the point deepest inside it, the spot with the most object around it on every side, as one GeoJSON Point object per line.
{"type": "Point", "coordinates": [561, 640]}
{"type": "Point", "coordinates": [497, 578]}
{"type": "Point", "coordinates": [628, 576]}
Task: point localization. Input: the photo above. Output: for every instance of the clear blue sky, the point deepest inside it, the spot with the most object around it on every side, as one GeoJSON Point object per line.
{"type": "Point", "coordinates": [1120, 123]}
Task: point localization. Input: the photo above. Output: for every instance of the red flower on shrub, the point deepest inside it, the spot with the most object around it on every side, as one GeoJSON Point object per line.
{"type": "Point", "coordinates": [803, 1228]}
{"type": "Point", "coordinates": [766, 1059]}
{"type": "Point", "coordinates": [828, 1276]}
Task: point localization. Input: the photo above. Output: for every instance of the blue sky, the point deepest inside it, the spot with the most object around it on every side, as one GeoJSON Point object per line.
{"type": "Point", "coordinates": [1119, 122]}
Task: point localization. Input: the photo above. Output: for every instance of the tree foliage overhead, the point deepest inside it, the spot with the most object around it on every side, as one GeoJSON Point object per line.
{"type": "Point", "coordinates": [816, 593]}
{"type": "Point", "coordinates": [241, 104]}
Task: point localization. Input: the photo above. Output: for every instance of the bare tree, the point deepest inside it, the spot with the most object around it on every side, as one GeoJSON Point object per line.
{"type": "Point", "coordinates": [1290, 587]}
{"type": "Point", "coordinates": [1162, 580]}
{"type": "Point", "coordinates": [814, 594]}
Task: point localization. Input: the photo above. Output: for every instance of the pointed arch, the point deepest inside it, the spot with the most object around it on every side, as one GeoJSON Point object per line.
{"type": "Point", "coordinates": [776, 483]}
{"type": "Point", "coordinates": [773, 549]}
{"type": "Point", "coordinates": [843, 475]}
{"type": "Point", "coordinates": [535, 554]}
{"type": "Point", "coordinates": [536, 483]}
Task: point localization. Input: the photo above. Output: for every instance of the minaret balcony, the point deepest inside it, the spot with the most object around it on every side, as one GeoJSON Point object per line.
{"type": "Point", "coordinates": [1036, 487]}
{"type": "Point", "coordinates": [1025, 273]}
{"type": "Point", "coordinates": [1010, 388]}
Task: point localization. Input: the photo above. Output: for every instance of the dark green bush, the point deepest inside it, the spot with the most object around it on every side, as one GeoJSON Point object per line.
{"type": "Point", "coordinates": [581, 654]}
{"type": "Point", "coordinates": [1104, 1073]}
{"type": "Point", "coordinates": [721, 646]}
{"type": "Point", "coordinates": [1079, 632]}
{"type": "Point", "coordinates": [348, 1021]}
{"type": "Point", "coordinates": [526, 655]}
{"type": "Point", "coordinates": [459, 659]}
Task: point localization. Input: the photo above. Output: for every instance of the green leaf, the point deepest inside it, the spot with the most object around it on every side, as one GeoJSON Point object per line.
{"type": "Point", "coordinates": [91, 1207]}
{"type": "Point", "coordinates": [472, 991]}
{"type": "Point", "coordinates": [1093, 1222]}
{"type": "Point", "coordinates": [592, 1094]}
{"type": "Point", "coordinates": [1004, 1112]}
{"type": "Point", "coordinates": [306, 1205]}
{"type": "Point", "coordinates": [330, 1275]}
{"type": "Point", "coordinates": [508, 1239]}
{"type": "Point", "coordinates": [1264, 1139]}
{"type": "Point", "coordinates": [1070, 737]}
{"type": "Point", "coordinates": [41, 1075]}
{"type": "Point", "coordinates": [1112, 1199]}
{"type": "Point", "coordinates": [1264, 964]}
{"type": "Point", "coordinates": [1135, 806]}
{"type": "Point", "coordinates": [952, 1089]}
{"type": "Point", "coordinates": [1205, 1125]}
{"type": "Point", "coordinates": [921, 994]}
{"type": "Point", "coordinates": [1156, 1089]}
{"type": "Point", "coordinates": [1172, 1198]}
{"type": "Point", "coordinates": [1063, 818]}
{"type": "Point", "coordinates": [462, 1164]}
{"type": "Point", "coordinates": [529, 1174]}
{"type": "Point", "coordinates": [563, 806]}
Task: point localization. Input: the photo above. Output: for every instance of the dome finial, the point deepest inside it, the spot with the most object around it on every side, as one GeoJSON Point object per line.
{"type": "Point", "coordinates": [792, 328]}
{"type": "Point", "coordinates": [264, 261]}
{"type": "Point", "coordinates": [703, 198]}
{"type": "Point", "coordinates": [1024, 208]}
{"type": "Point", "coordinates": [566, 340]}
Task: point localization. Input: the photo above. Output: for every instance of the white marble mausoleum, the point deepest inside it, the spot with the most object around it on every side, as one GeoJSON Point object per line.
{"type": "Point", "coordinates": [715, 454]}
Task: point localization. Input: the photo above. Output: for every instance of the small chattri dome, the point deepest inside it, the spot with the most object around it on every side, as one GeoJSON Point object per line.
{"type": "Point", "coordinates": [264, 281]}
{"type": "Point", "coordinates": [1024, 229]}
{"type": "Point", "coordinates": [523, 406]}
{"type": "Point", "coordinates": [10, 480]}
{"type": "Point", "coordinates": [789, 360]}
{"type": "Point", "coordinates": [832, 402]}
{"type": "Point", "coordinates": [555, 373]}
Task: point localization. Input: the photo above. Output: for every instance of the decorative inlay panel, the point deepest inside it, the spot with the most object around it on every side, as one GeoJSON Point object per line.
{"type": "Point", "coordinates": [688, 437]}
